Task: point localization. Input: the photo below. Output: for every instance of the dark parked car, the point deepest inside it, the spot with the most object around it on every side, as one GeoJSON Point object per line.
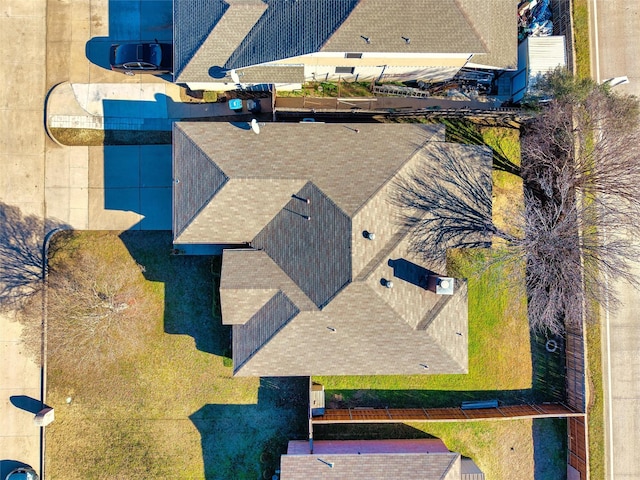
{"type": "Point", "coordinates": [22, 473]}
{"type": "Point", "coordinates": [133, 58]}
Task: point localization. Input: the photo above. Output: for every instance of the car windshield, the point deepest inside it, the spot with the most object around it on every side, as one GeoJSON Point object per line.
{"type": "Point", "coordinates": [155, 54]}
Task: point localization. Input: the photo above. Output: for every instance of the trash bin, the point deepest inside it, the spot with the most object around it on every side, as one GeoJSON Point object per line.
{"type": "Point", "coordinates": [254, 106]}
{"type": "Point", "coordinates": [235, 104]}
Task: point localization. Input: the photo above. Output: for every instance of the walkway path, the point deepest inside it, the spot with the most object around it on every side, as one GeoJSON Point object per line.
{"type": "Point", "coordinates": [22, 146]}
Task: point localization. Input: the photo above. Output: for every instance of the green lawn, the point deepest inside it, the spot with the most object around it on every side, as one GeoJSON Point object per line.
{"type": "Point", "coordinates": [497, 311]}
{"type": "Point", "coordinates": [505, 361]}
{"type": "Point", "coordinates": [171, 409]}
{"type": "Point", "coordinates": [331, 89]}
{"type": "Point", "coordinates": [495, 314]}
{"type": "Point", "coordinates": [581, 40]}
{"type": "Point", "coordinates": [595, 418]}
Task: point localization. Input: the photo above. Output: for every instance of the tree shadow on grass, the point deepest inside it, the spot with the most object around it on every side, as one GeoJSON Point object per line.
{"type": "Point", "coordinates": [466, 132]}
{"type": "Point", "coordinates": [191, 298]}
{"type": "Point", "coordinates": [246, 441]}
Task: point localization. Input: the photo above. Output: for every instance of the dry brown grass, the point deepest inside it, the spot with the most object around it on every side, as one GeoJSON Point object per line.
{"type": "Point", "coordinates": [92, 137]}
{"type": "Point", "coordinates": [169, 409]}
{"type": "Point", "coordinates": [508, 449]}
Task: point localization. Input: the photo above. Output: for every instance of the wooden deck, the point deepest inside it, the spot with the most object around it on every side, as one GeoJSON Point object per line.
{"type": "Point", "coordinates": [391, 415]}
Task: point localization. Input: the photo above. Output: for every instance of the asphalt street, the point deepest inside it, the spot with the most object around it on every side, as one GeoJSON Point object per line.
{"type": "Point", "coordinates": [614, 28]}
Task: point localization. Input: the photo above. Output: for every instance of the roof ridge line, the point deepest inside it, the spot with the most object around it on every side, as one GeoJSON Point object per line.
{"type": "Point", "coordinates": [383, 252]}
{"type": "Point", "coordinates": [273, 334]}
{"type": "Point", "coordinates": [473, 27]}
{"type": "Point", "coordinates": [429, 139]}
{"type": "Point", "coordinates": [213, 194]}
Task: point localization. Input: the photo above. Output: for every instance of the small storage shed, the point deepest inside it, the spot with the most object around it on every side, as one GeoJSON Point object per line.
{"type": "Point", "coordinates": [537, 56]}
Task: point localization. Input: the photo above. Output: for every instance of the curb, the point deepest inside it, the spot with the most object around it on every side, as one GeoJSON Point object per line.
{"type": "Point", "coordinates": [43, 349]}
{"type": "Point", "coordinates": [46, 113]}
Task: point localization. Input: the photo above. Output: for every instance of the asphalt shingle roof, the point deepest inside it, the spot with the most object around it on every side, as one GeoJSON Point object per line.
{"type": "Point", "coordinates": [303, 236]}
{"type": "Point", "coordinates": [431, 27]}
{"type": "Point", "coordinates": [202, 180]}
{"type": "Point", "coordinates": [249, 337]}
{"type": "Point", "coordinates": [313, 274]}
{"type": "Point", "coordinates": [493, 20]}
{"type": "Point", "coordinates": [234, 34]}
{"type": "Point", "coordinates": [325, 154]}
{"type": "Point", "coordinates": [409, 466]}
{"type": "Point", "coordinates": [372, 459]}
{"type": "Point", "coordinates": [193, 21]}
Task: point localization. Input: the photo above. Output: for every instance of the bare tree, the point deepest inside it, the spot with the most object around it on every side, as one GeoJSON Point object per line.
{"type": "Point", "coordinates": [581, 176]}
{"type": "Point", "coordinates": [581, 173]}
{"type": "Point", "coordinates": [95, 309]}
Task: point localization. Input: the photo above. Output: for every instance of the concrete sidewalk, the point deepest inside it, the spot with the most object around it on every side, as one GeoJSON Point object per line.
{"type": "Point", "coordinates": [22, 173]}
{"type": "Point", "coordinates": [126, 106]}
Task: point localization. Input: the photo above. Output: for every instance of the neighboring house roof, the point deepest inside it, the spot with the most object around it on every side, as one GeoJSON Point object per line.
{"type": "Point", "coordinates": [425, 459]}
{"type": "Point", "coordinates": [213, 35]}
{"type": "Point", "coordinates": [493, 21]}
{"type": "Point", "coordinates": [309, 296]}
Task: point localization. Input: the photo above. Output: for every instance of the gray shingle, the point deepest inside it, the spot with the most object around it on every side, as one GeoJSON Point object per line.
{"type": "Point", "coordinates": [343, 326]}
{"type": "Point", "coordinates": [248, 338]}
{"type": "Point", "coordinates": [193, 20]}
{"type": "Point", "coordinates": [311, 242]}
{"type": "Point", "coordinates": [195, 182]}
{"type": "Point", "coordinates": [289, 29]}
{"type": "Point", "coordinates": [409, 466]}
{"type": "Point", "coordinates": [495, 23]}
{"type": "Point", "coordinates": [432, 27]}
{"type": "Point", "coordinates": [244, 270]}
{"type": "Point", "coordinates": [243, 36]}
{"type": "Point", "coordinates": [325, 154]}
{"type": "Point", "coordinates": [223, 38]}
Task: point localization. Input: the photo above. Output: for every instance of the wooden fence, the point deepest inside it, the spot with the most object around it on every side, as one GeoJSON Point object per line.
{"type": "Point", "coordinates": [562, 25]}
{"type": "Point", "coordinates": [398, 415]}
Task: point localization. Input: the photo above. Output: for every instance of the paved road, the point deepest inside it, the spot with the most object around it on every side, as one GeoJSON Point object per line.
{"type": "Point", "coordinates": [615, 26]}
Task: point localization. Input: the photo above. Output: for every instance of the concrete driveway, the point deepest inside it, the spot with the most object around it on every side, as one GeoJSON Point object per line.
{"type": "Point", "coordinates": [614, 28]}
{"type": "Point", "coordinates": [109, 188]}
{"type": "Point", "coordinates": [88, 188]}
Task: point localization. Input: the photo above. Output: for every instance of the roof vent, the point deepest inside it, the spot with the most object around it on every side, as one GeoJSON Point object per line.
{"type": "Point", "coordinates": [255, 126]}
{"type": "Point", "coordinates": [302, 199]}
{"type": "Point", "coordinates": [407, 40]}
{"type": "Point", "coordinates": [444, 286]}
{"type": "Point", "coordinates": [369, 235]}
{"type": "Point", "coordinates": [329, 464]}
{"type": "Point", "coordinates": [366, 39]}
{"type": "Point", "coordinates": [388, 283]}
